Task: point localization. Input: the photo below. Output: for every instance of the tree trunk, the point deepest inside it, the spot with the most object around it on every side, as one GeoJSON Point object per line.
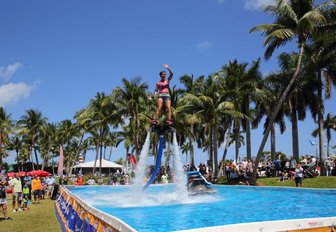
{"type": "Point", "coordinates": [295, 135]}
{"type": "Point", "coordinates": [225, 149]}
{"type": "Point", "coordinates": [192, 141]}
{"type": "Point", "coordinates": [0, 149]}
{"type": "Point", "coordinates": [35, 153]}
{"type": "Point", "coordinates": [215, 147]}
{"type": "Point", "coordinates": [248, 132]}
{"type": "Point", "coordinates": [95, 163]}
{"type": "Point", "coordinates": [32, 159]}
{"type": "Point", "coordinates": [275, 113]}
{"type": "Point", "coordinates": [273, 149]}
{"type": "Point", "coordinates": [211, 145]}
{"type": "Point", "coordinates": [110, 155]}
{"type": "Point", "coordinates": [236, 136]}
{"type": "Point", "coordinates": [101, 157]}
{"type": "Point", "coordinates": [320, 125]}
{"type": "Point", "coordinates": [168, 152]}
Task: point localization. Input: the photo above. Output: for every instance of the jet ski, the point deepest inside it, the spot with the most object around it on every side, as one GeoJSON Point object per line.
{"type": "Point", "coordinates": [197, 184]}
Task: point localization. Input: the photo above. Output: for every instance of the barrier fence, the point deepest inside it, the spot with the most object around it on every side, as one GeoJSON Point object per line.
{"type": "Point", "coordinates": [75, 215]}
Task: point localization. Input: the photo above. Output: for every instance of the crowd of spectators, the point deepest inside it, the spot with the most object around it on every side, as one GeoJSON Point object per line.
{"type": "Point", "coordinates": [25, 190]}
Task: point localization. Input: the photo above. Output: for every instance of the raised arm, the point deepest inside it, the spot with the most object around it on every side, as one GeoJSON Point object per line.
{"type": "Point", "coordinates": [170, 71]}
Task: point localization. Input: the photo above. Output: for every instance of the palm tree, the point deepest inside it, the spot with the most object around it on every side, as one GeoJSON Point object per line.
{"type": "Point", "coordinates": [128, 100]}
{"type": "Point", "coordinates": [5, 129]}
{"type": "Point", "coordinates": [210, 105]}
{"type": "Point", "coordinates": [66, 130]}
{"type": "Point", "coordinates": [32, 124]}
{"type": "Point", "coordinates": [191, 86]}
{"type": "Point", "coordinates": [293, 19]}
{"type": "Point", "coordinates": [262, 108]}
{"type": "Point", "coordinates": [322, 60]}
{"type": "Point", "coordinates": [114, 138]}
{"type": "Point", "coordinates": [15, 144]}
{"type": "Point", "coordinates": [244, 86]}
{"type": "Point", "coordinates": [300, 97]}
{"type": "Point", "coordinates": [328, 124]}
{"type": "Point", "coordinates": [103, 113]}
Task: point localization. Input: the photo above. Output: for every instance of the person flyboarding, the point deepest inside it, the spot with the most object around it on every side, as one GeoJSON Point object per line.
{"type": "Point", "coordinates": [162, 90]}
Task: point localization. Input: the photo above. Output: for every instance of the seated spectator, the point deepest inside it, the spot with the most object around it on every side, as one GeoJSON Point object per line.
{"type": "Point", "coordinates": [80, 180]}
{"type": "Point", "coordinates": [164, 179]}
{"type": "Point", "coordinates": [91, 181]}
{"type": "Point", "coordinates": [283, 176]}
{"type": "Point", "coordinates": [249, 175]}
{"type": "Point", "coordinates": [100, 180]}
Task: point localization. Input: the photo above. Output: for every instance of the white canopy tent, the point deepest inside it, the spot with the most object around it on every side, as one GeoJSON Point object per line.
{"type": "Point", "coordinates": [105, 164]}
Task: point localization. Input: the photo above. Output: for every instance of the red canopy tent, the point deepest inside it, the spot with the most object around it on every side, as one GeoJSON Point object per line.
{"type": "Point", "coordinates": [11, 174]}
{"type": "Point", "coordinates": [21, 173]}
{"type": "Point", "coordinates": [40, 173]}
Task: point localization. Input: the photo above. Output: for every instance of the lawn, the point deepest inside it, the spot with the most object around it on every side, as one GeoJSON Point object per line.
{"type": "Point", "coordinates": [42, 217]}
{"type": "Point", "coordinates": [317, 182]}
{"type": "Point", "coordinates": [39, 217]}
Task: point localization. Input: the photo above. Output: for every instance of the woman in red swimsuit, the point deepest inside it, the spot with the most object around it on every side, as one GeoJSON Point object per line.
{"type": "Point", "coordinates": [162, 89]}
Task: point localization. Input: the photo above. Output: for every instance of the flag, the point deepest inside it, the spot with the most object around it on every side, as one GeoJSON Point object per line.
{"type": "Point", "coordinates": [312, 143]}
{"type": "Point", "coordinates": [60, 162]}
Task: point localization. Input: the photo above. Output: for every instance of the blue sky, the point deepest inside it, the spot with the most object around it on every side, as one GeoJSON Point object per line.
{"type": "Point", "coordinates": [56, 55]}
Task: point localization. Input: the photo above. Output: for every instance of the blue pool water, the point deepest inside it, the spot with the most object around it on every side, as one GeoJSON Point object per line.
{"type": "Point", "coordinates": [162, 209]}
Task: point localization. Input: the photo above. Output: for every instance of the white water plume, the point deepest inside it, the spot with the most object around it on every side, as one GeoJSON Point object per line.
{"type": "Point", "coordinates": [178, 169]}
{"type": "Point", "coordinates": [141, 166]}
{"type": "Point", "coordinates": [162, 195]}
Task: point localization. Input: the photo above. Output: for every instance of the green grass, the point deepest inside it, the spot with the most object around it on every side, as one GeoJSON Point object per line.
{"type": "Point", "coordinates": [39, 217]}
{"type": "Point", "coordinates": [317, 182]}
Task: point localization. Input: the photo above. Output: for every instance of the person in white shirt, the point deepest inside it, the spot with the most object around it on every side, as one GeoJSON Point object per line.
{"type": "Point", "coordinates": [298, 175]}
{"type": "Point", "coordinates": [16, 192]}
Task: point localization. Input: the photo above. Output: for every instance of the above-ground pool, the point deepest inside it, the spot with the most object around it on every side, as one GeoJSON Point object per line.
{"type": "Point", "coordinates": [164, 208]}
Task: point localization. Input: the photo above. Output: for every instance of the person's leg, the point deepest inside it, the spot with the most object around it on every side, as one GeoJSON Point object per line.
{"type": "Point", "coordinates": [159, 106]}
{"type": "Point", "coordinates": [13, 201]}
{"type": "Point", "coordinates": [19, 201]}
{"type": "Point", "coordinates": [4, 210]}
{"type": "Point", "coordinates": [35, 196]}
{"type": "Point", "coordinates": [168, 106]}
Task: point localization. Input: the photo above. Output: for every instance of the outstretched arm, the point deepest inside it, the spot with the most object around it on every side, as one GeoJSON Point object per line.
{"type": "Point", "coordinates": [156, 90]}
{"type": "Point", "coordinates": [170, 71]}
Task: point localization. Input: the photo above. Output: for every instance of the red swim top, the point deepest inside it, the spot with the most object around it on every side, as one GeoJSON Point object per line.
{"type": "Point", "coordinates": [163, 86]}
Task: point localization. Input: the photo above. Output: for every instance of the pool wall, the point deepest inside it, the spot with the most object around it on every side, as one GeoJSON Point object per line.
{"type": "Point", "coordinates": [75, 215]}
{"type": "Point", "coordinates": [294, 225]}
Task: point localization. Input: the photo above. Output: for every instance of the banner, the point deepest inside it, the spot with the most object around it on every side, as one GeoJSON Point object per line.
{"type": "Point", "coordinates": [60, 162]}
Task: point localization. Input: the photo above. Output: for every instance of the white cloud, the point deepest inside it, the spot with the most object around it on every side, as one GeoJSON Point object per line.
{"type": "Point", "coordinates": [13, 92]}
{"type": "Point", "coordinates": [7, 72]}
{"type": "Point", "coordinates": [258, 4]}
{"type": "Point", "coordinates": [204, 45]}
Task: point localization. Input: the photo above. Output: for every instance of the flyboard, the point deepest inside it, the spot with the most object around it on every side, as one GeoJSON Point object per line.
{"type": "Point", "coordinates": [161, 129]}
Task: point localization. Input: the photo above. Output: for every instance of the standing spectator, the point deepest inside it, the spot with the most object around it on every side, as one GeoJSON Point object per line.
{"type": "Point", "coordinates": [36, 188]}
{"type": "Point", "coordinates": [50, 184]}
{"type": "Point", "coordinates": [25, 195]}
{"type": "Point", "coordinates": [16, 193]}
{"type": "Point", "coordinates": [3, 196]}
{"type": "Point", "coordinates": [298, 175]}
{"type": "Point", "coordinates": [29, 179]}
{"type": "Point", "coordinates": [44, 188]}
